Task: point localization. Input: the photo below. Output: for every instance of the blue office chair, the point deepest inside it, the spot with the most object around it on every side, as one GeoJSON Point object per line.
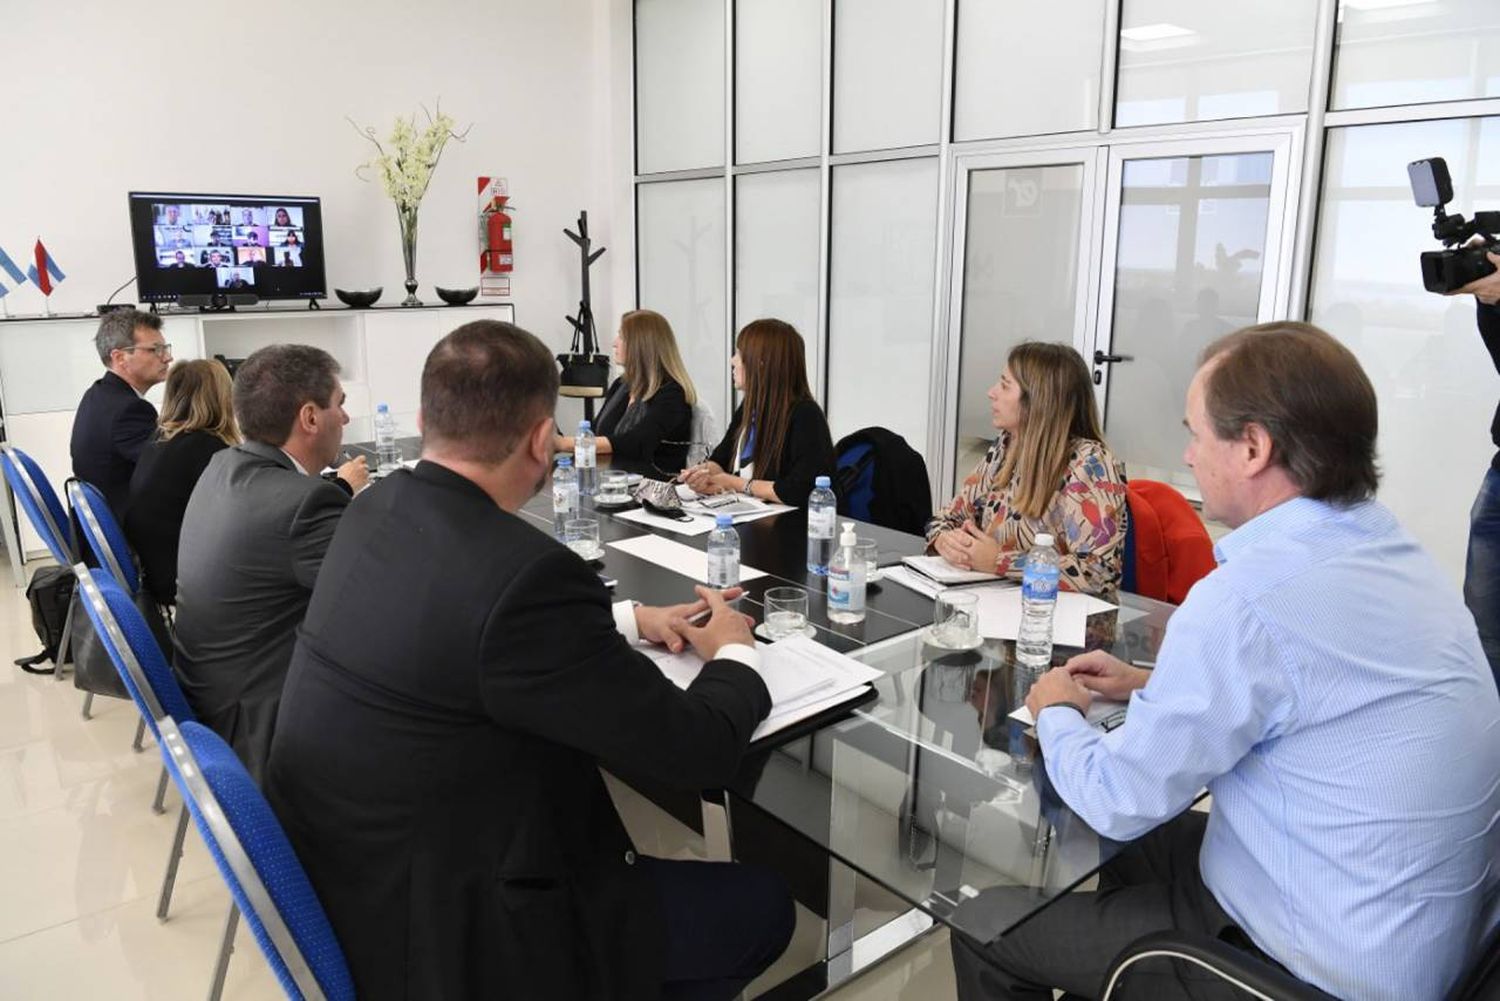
{"type": "Point", "coordinates": [37, 498]}
{"type": "Point", "coordinates": [269, 886]}
{"type": "Point", "coordinates": [149, 680]}
{"type": "Point", "coordinates": [107, 541]}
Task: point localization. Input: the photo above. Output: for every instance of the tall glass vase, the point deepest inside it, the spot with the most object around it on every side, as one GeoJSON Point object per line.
{"type": "Point", "coordinates": [407, 217]}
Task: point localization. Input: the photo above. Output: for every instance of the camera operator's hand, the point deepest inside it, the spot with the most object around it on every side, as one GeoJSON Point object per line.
{"type": "Point", "coordinates": [1486, 289]}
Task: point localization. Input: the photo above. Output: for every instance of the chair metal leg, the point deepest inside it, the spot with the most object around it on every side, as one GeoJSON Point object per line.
{"type": "Point", "coordinates": [170, 879]}
{"type": "Point", "coordinates": [158, 805]}
{"type": "Point", "coordinates": [140, 735]}
{"type": "Point", "coordinates": [88, 703]}
{"type": "Point", "coordinates": [65, 648]}
{"type": "Point", "coordinates": [226, 947]}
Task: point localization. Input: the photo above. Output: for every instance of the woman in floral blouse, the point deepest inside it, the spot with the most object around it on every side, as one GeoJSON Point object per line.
{"type": "Point", "coordinates": [1048, 471]}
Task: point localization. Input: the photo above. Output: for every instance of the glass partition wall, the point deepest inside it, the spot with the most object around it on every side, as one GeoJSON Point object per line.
{"type": "Point", "coordinates": [918, 185]}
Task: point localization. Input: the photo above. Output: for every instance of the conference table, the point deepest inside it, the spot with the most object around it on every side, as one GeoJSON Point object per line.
{"type": "Point", "coordinates": [924, 787]}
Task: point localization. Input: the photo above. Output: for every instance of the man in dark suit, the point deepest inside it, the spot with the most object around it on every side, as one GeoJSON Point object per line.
{"type": "Point", "coordinates": [253, 537]}
{"type": "Point", "coordinates": [458, 681]}
{"type": "Point", "coordinates": [114, 420]}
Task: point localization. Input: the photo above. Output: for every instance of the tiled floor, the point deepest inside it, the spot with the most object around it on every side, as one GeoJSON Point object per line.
{"type": "Point", "coordinates": [82, 856]}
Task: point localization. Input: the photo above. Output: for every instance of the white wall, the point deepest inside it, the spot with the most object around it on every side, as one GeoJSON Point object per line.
{"type": "Point", "coordinates": [107, 97]}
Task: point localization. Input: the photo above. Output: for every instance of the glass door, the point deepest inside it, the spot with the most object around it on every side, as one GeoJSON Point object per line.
{"type": "Point", "coordinates": [1194, 240]}
{"type": "Point", "coordinates": [1025, 253]}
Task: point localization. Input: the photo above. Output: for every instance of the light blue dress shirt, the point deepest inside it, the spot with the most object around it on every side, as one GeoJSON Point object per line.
{"type": "Point", "coordinates": [1327, 685]}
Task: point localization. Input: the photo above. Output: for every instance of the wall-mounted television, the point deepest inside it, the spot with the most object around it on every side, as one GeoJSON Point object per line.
{"type": "Point", "coordinates": [200, 246]}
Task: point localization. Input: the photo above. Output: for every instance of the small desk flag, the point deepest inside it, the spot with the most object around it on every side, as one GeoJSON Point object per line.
{"type": "Point", "coordinates": [45, 273]}
{"type": "Point", "coordinates": [16, 275]}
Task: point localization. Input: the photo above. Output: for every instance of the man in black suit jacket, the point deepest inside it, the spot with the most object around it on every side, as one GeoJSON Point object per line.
{"type": "Point", "coordinates": [114, 421]}
{"type": "Point", "coordinates": [253, 537]}
{"type": "Point", "coordinates": [458, 681]}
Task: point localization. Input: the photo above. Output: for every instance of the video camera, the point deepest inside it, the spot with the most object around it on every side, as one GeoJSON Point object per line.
{"type": "Point", "coordinates": [1450, 270]}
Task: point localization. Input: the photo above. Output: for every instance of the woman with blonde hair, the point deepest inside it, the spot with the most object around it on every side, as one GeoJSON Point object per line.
{"type": "Point", "coordinates": [196, 423]}
{"type": "Point", "coordinates": [778, 441]}
{"type": "Point", "coordinates": [647, 412]}
{"type": "Point", "coordinates": [1049, 471]}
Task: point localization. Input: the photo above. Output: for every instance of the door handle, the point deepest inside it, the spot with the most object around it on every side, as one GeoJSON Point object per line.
{"type": "Point", "coordinates": [1100, 358]}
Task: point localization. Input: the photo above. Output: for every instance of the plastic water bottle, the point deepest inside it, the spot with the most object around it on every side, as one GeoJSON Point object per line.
{"type": "Point", "coordinates": [723, 554]}
{"type": "Point", "coordinates": [846, 580]}
{"type": "Point", "coordinates": [1038, 602]}
{"type": "Point", "coordinates": [822, 518]}
{"type": "Point", "coordinates": [585, 458]}
{"type": "Point", "coordinates": [564, 495]}
{"type": "Point", "coordinates": [387, 452]}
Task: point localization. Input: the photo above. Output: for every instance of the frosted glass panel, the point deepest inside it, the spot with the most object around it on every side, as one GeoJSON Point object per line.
{"type": "Point", "coordinates": [1009, 79]}
{"type": "Point", "coordinates": [680, 266]}
{"type": "Point", "coordinates": [1020, 278]}
{"type": "Point", "coordinates": [880, 318]}
{"type": "Point", "coordinates": [1190, 61]}
{"type": "Point", "coordinates": [1188, 270]}
{"type": "Point", "coordinates": [887, 73]}
{"type": "Point", "coordinates": [1432, 376]}
{"type": "Point", "coordinates": [679, 80]}
{"type": "Point", "coordinates": [776, 253]}
{"type": "Point", "coordinates": [778, 66]}
{"type": "Point", "coordinates": [1416, 51]}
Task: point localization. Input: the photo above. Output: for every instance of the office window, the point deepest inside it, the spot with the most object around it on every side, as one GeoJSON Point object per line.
{"type": "Point", "coordinates": [680, 267]}
{"type": "Point", "coordinates": [778, 92]}
{"type": "Point", "coordinates": [776, 253]}
{"type": "Point", "coordinates": [881, 283]}
{"type": "Point", "coordinates": [1432, 375]}
{"type": "Point", "coordinates": [1416, 51]}
{"type": "Point", "coordinates": [1008, 77]}
{"type": "Point", "coordinates": [679, 80]}
{"type": "Point", "coordinates": [887, 73]}
{"type": "Point", "coordinates": [1188, 61]}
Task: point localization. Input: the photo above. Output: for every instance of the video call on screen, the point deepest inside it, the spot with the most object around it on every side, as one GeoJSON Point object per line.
{"type": "Point", "coordinates": [233, 240]}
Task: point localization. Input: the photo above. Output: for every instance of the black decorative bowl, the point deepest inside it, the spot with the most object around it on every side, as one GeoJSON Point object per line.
{"type": "Point", "coordinates": [359, 298]}
{"type": "Point", "coordinates": [456, 296]}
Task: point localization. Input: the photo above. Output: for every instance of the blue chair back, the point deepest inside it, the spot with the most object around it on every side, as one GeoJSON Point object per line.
{"type": "Point", "coordinates": [103, 534]}
{"type": "Point", "coordinates": [39, 501]}
{"type": "Point", "coordinates": [133, 650]}
{"type": "Point", "coordinates": [255, 858]}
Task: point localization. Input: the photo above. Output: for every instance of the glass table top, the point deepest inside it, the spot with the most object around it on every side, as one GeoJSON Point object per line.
{"type": "Point", "coordinates": [935, 793]}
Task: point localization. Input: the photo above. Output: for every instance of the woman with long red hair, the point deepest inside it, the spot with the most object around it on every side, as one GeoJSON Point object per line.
{"type": "Point", "coordinates": [778, 440]}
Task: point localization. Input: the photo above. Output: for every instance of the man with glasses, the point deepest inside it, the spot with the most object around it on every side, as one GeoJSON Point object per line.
{"type": "Point", "coordinates": [114, 420]}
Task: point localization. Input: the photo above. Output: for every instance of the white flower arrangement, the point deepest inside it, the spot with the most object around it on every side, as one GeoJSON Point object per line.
{"type": "Point", "coordinates": [409, 156]}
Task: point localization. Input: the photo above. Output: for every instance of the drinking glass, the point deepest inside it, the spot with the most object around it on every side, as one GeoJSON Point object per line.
{"type": "Point", "coordinates": [613, 488]}
{"type": "Point", "coordinates": [786, 612]}
{"type": "Point", "coordinates": [582, 536]}
{"type": "Point", "coordinates": [869, 551]}
{"type": "Point", "coordinates": [955, 619]}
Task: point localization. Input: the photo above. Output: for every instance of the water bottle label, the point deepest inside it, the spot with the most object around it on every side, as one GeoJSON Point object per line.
{"type": "Point", "coordinates": [840, 594]}
{"type": "Point", "coordinates": [584, 457]}
{"type": "Point", "coordinates": [820, 522]}
{"type": "Point", "coordinates": [1039, 583]}
{"type": "Point", "coordinates": [723, 570]}
{"type": "Point", "coordinates": [563, 499]}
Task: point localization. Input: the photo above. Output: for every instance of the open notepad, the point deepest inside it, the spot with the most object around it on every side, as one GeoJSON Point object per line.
{"type": "Point", "coordinates": [940, 570]}
{"type": "Point", "coordinates": [803, 676]}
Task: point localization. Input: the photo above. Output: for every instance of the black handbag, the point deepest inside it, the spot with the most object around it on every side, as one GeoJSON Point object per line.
{"type": "Point", "coordinates": [581, 369]}
{"type": "Point", "coordinates": [49, 594]}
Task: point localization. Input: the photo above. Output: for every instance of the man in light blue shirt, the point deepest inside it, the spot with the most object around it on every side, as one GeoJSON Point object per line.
{"type": "Point", "coordinates": [1325, 683]}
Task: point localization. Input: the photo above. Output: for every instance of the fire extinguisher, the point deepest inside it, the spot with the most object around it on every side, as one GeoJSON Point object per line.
{"type": "Point", "coordinates": [499, 257]}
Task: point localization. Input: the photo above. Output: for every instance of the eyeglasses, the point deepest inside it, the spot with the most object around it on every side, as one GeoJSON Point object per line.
{"type": "Point", "coordinates": [159, 350]}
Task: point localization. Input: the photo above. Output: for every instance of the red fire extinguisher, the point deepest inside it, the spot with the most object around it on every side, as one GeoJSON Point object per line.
{"type": "Point", "coordinates": [499, 257]}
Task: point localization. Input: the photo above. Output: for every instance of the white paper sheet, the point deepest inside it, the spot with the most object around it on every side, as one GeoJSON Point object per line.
{"type": "Point", "coordinates": [690, 562]}
{"type": "Point", "coordinates": [1103, 713]}
{"type": "Point", "coordinates": [1000, 613]}
{"type": "Point", "coordinates": [803, 677]}
{"type": "Point", "coordinates": [944, 572]}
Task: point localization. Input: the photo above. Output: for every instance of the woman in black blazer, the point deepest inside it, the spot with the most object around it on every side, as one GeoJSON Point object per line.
{"type": "Point", "coordinates": [783, 445]}
{"type": "Point", "coordinates": [648, 412]}
{"type": "Point", "coordinates": [197, 421]}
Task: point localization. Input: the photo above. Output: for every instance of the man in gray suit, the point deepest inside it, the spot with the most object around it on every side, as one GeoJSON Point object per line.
{"type": "Point", "coordinates": [253, 537]}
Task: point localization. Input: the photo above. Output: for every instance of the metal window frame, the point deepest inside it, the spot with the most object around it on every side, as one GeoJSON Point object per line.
{"type": "Point", "coordinates": [1296, 226]}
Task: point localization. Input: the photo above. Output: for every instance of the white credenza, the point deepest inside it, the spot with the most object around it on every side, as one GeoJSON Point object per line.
{"type": "Point", "coordinates": [46, 364]}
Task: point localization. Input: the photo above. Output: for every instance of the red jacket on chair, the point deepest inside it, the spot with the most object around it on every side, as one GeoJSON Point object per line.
{"type": "Point", "coordinates": [1172, 548]}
